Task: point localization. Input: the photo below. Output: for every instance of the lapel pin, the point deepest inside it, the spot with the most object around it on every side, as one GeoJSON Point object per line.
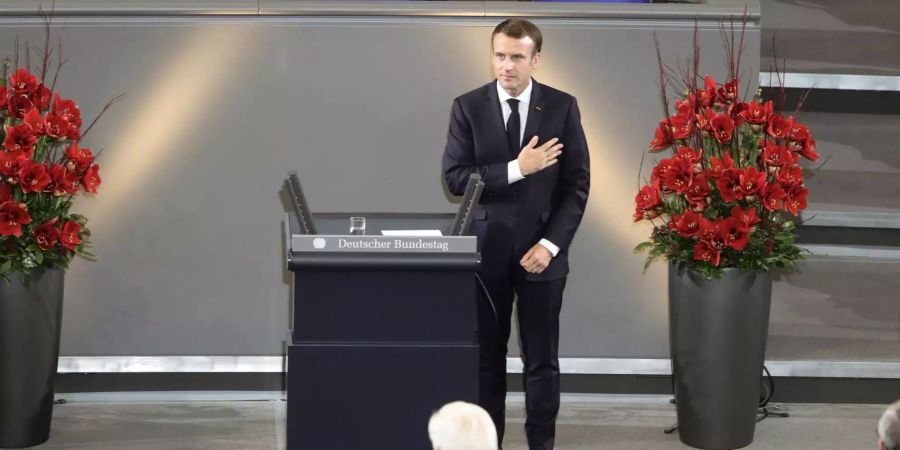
{"type": "Point", "coordinates": [538, 108]}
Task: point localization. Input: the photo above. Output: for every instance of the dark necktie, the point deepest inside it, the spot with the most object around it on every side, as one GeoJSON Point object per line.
{"type": "Point", "coordinates": [512, 128]}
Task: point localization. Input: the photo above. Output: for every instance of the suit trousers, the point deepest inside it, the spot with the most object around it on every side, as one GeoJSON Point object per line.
{"type": "Point", "coordinates": [538, 306]}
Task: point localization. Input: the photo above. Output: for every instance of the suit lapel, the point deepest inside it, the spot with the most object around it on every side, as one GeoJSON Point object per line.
{"type": "Point", "coordinates": [535, 113]}
{"type": "Point", "coordinates": [495, 118]}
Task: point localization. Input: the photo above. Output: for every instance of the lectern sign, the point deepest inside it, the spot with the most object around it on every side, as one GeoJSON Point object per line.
{"type": "Point", "coordinates": [383, 244]}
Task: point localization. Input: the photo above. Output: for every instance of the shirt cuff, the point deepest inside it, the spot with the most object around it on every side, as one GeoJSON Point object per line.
{"type": "Point", "coordinates": [513, 172]}
{"type": "Point", "coordinates": [549, 246]}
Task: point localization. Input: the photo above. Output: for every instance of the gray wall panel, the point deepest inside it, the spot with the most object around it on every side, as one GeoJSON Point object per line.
{"type": "Point", "coordinates": [837, 308]}
{"type": "Point", "coordinates": [187, 224]}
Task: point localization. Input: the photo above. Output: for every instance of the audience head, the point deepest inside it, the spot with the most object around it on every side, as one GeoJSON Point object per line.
{"type": "Point", "coordinates": [462, 426]}
{"type": "Point", "coordinates": [889, 428]}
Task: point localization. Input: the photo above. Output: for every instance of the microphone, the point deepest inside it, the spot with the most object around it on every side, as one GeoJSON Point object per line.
{"type": "Point", "coordinates": [301, 209]}
{"type": "Point", "coordinates": [463, 219]}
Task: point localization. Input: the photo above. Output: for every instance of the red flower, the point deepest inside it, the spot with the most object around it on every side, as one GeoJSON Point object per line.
{"type": "Point", "coordinates": [79, 158]}
{"type": "Point", "coordinates": [727, 93]}
{"type": "Point", "coordinates": [799, 133]}
{"type": "Point", "coordinates": [23, 82]}
{"type": "Point", "coordinates": [773, 197]}
{"type": "Point", "coordinates": [682, 126]}
{"type": "Point", "coordinates": [33, 176]}
{"type": "Point", "coordinates": [67, 109]}
{"type": "Point", "coordinates": [647, 200]}
{"type": "Point", "coordinates": [69, 235]}
{"type": "Point", "coordinates": [686, 107]}
{"type": "Point", "coordinates": [73, 133]}
{"type": "Point", "coordinates": [737, 233]}
{"type": "Point", "coordinates": [758, 114]}
{"type": "Point", "coordinates": [748, 217]}
{"type": "Point", "coordinates": [730, 185]}
{"type": "Point", "coordinates": [697, 192]}
{"type": "Point", "coordinates": [709, 228]}
{"type": "Point", "coordinates": [91, 179]}
{"type": "Point", "coordinates": [779, 127]}
{"type": "Point", "coordinates": [12, 216]}
{"type": "Point", "coordinates": [46, 235]}
{"type": "Point", "coordinates": [790, 177]}
{"type": "Point", "coordinates": [778, 156]}
{"type": "Point", "coordinates": [677, 178]}
{"type": "Point", "coordinates": [809, 150]}
{"type": "Point", "coordinates": [662, 139]}
{"type": "Point", "coordinates": [795, 200]}
{"type": "Point", "coordinates": [37, 123]}
{"type": "Point", "coordinates": [704, 121]}
{"type": "Point", "coordinates": [650, 214]}
{"type": "Point", "coordinates": [19, 139]}
{"type": "Point", "coordinates": [718, 166]}
{"type": "Point", "coordinates": [708, 94]}
{"type": "Point", "coordinates": [722, 126]}
{"type": "Point", "coordinates": [713, 239]}
{"type": "Point", "coordinates": [4, 94]}
{"type": "Point", "coordinates": [57, 127]}
{"type": "Point", "coordinates": [735, 111]}
{"type": "Point", "coordinates": [688, 224]}
{"type": "Point", "coordinates": [5, 193]}
{"type": "Point", "coordinates": [801, 141]}
{"type": "Point", "coordinates": [752, 181]}
{"type": "Point", "coordinates": [662, 168]}
{"type": "Point", "coordinates": [63, 181]}
{"type": "Point", "coordinates": [688, 154]}
{"type": "Point", "coordinates": [705, 252]}
{"type": "Point", "coordinates": [41, 97]}
{"type": "Point", "coordinates": [10, 162]}
{"type": "Point", "coordinates": [18, 105]}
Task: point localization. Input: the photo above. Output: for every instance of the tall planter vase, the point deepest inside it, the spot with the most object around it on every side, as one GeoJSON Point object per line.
{"type": "Point", "coordinates": [29, 349]}
{"type": "Point", "coordinates": [717, 332]}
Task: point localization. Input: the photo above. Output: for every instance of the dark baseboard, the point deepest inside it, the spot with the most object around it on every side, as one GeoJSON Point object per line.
{"type": "Point", "coordinates": [119, 382]}
{"type": "Point", "coordinates": [838, 100]}
{"type": "Point", "coordinates": [787, 390]}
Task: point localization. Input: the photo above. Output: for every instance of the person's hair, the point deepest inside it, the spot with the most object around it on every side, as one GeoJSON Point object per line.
{"type": "Point", "coordinates": [462, 426]}
{"type": "Point", "coordinates": [518, 29]}
{"type": "Point", "coordinates": [889, 427]}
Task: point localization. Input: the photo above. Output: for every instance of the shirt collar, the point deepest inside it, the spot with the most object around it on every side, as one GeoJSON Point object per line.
{"type": "Point", "coordinates": [524, 97]}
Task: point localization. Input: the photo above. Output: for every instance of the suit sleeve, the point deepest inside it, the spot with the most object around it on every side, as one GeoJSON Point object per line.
{"type": "Point", "coordinates": [574, 182]}
{"type": "Point", "coordinates": [459, 158]}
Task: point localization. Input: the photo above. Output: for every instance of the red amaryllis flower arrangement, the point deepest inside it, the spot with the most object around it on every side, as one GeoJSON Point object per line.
{"type": "Point", "coordinates": [730, 192]}
{"type": "Point", "coordinates": [43, 166]}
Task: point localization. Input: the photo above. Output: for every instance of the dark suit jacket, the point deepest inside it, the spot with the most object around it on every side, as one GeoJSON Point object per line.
{"type": "Point", "coordinates": [547, 204]}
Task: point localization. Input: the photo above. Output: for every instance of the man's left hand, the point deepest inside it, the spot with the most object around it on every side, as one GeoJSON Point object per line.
{"type": "Point", "coordinates": [537, 259]}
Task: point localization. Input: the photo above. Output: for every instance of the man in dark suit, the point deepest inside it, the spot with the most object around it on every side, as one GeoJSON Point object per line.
{"type": "Point", "coordinates": [526, 141]}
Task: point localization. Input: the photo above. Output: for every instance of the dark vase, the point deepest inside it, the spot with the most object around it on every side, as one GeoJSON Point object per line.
{"type": "Point", "coordinates": [717, 332]}
{"type": "Point", "coordinates": [29, 349]}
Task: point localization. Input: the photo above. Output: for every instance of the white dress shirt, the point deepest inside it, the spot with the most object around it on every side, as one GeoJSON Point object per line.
{"type": "Point", "coordinates": [513, 171]}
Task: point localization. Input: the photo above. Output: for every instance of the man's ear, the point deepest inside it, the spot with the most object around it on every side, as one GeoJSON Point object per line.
{"type": "Point", "coordinates": [535, 60]}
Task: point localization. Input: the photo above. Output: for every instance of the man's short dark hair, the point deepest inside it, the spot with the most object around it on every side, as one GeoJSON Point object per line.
{"type": "Point", "coordinates": [518, 29]}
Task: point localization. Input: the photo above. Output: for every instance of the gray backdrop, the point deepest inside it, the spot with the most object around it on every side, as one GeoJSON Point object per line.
{"type": "Point", "coordinates": [188, 220]}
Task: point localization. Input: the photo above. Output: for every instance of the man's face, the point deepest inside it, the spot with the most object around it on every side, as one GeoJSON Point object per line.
{"type": "Point", "coordinates": [514, 62]}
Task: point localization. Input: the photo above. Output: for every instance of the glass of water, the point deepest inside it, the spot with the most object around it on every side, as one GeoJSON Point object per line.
{"type": "Point", "coordinates": [357, 225]}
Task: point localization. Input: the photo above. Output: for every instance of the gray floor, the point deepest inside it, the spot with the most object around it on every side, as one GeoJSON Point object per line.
{"type": "Point", "coordinates": [250, 421]}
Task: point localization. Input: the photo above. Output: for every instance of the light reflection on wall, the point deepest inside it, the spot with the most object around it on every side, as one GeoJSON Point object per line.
{"type": "Point", "coordinates": [615, 167]}
{"type": "Point", "coordinates": [187, 85]}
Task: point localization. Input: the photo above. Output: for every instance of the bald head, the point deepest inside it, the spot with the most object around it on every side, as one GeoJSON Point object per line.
{"type": "Point", "coordinates": [889, 427]}
{"type": "Point", "coordinates": [462, 426]}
